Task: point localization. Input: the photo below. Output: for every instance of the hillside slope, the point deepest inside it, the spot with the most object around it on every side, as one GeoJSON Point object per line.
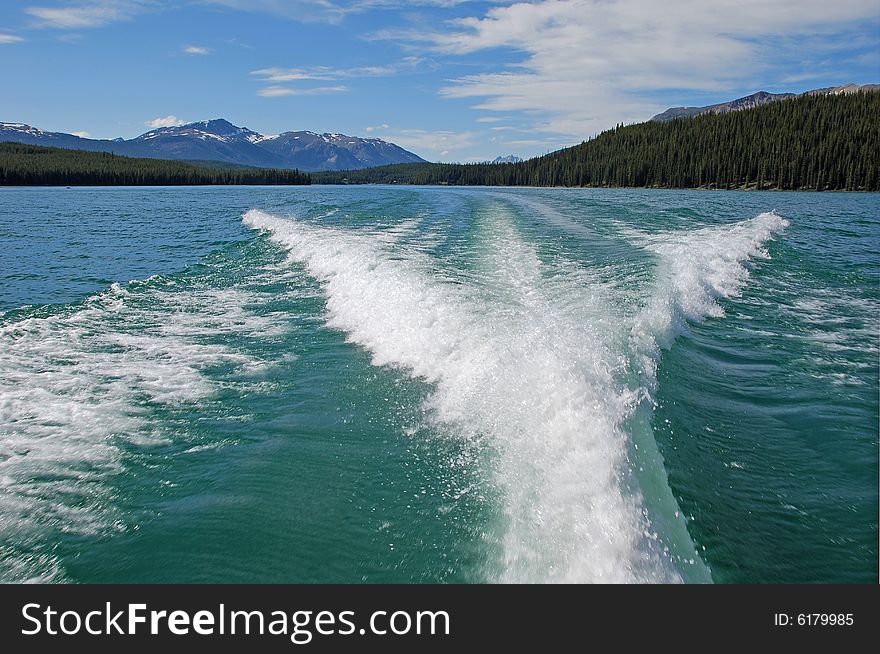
{"type": "Point", "coordinates": [220, 140]}
{"type": "Point", "coordinates": [820, 142]}
{"type": "Point", "coordinates": [32, 165]}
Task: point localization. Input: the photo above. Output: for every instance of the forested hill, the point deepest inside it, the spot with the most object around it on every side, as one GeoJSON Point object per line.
{"type": "Point", "coordinates": [821, 142]}
{"type": "Point", "coordinates": [30, 165]}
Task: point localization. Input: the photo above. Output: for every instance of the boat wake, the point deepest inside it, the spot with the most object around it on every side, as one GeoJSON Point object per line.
{"type": "Point", "coordinates": [534, 361]}
{"type": "Point", "coordinates": [79, 389]}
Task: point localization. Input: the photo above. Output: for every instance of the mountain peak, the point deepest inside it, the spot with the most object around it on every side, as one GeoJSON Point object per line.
{"type": "Point", "coordinates": [218, 139]}
{"type": "Point", "coordinates": [20, 127]}
{"type": "Point", "coordinates": [218, 129]}
{"type": "Point", "coordinates": [219, 126]}
{"type": "Point", "coordinates": [756, 100]}
{"type": "Point", "coordinates": [511, 158]}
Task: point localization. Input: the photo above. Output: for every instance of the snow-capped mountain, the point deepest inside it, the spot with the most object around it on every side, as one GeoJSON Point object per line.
{"type": "Point", "coordinates": [220, 140]}
{"type": "Point", "coordinates": [210, 140]}
{"type": "Point", "coordinates": [21, 133]}
{"type": "Point", "coordinates": [511, 158]}
{"type": "Point", "coordinates": [333, 151]}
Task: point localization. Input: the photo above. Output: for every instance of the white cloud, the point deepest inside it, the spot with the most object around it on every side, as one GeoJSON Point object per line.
{"type": "Point", "coordinates": [240, 44]}
{"type": "Point", "coordinates": [78, 14]}
{"type": "Point", "coordinates": [82, 135]}
{"type": "Point", "coordinates": [587, 65]}
{"type": "Point", "coordinates": [277, 76]}
{"type": "Point", "coordinates": [10, 38]}
{"type": "Point", "coordinates": [327, 73]}
{"type": "Point", "coordinates": [88, 13]}
{"type": "Point", "coordinates": [439, 143]}
{"type": "Point", "coordinates": [373, 128]}
{"type": "Point", "coordinates": [327, 11]}
{"type": "Point", "coordinates": [167, 121]}
{"type": "Point", "coordinates": [196, 50]}
{"type": "Point", "coordinates": [280, 91]}
{"type": "Point", "coordinates": [300, 10]}
{"type": "Point", "coordinates": [317, 73]}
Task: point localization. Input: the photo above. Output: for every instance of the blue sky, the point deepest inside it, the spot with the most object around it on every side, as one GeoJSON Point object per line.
{"type": "Point", "coordinates": [451, 80]}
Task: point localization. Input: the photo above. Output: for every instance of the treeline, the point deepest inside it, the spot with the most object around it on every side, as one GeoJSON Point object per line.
{"type": "Point", "coordinates": [821, 142]}
{"type": "Point", "coordinates": [31, 165]}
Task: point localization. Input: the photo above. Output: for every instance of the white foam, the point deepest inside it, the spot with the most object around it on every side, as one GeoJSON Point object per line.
{"type": "Point", "coordinates": [507, 368]}
{"type": "Point", "coordinates": [530, 360]}
{"type": "Point", "coordinates": [696, 268]}
{"type": "Point", "coordinates": [79, 386]}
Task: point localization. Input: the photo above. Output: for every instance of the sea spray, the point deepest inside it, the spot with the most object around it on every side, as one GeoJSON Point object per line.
{"type": "Point", "coordinates": [544, 389]}
{"type": "Point", "coordinates": [696, 269]}
{"type": "Point", "coordinates": [77, 390]}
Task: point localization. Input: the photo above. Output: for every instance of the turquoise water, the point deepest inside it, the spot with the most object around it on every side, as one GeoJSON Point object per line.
{"type": "Point", "coordinates": [403, 384]}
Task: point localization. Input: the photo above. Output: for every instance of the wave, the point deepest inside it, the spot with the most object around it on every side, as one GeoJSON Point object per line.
{"type": "Point", "coordinates": [80, 386]}
{"type": "Point", "coordinates": [533, 362]}
{"type": "Point", "coordinates": [530, 362]}
{"type": "Point", "coordinates": [696, 269]}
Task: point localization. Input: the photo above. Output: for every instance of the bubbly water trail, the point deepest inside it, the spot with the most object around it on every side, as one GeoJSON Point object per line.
{"type": "Point", "coordinates": [79, 386]}
{"type": "Point", "coordinates": [542, 385]}
{"type": "Point", "coordinates": [531, 359]}
{"type": "Point", "coordinates": [696, 268]}
{"type": "Point", "coordinates": [557, 412]}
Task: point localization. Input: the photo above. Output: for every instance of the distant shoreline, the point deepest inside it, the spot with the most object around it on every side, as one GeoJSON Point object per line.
{"type": "Point", "coordinates": [36, 165]}
{"type": "Point", "coordinates": [760, 149]}
{"type": "Point", "coordinates": [819, 142]}
{"type": "Point", "coordinates": [460, 186]}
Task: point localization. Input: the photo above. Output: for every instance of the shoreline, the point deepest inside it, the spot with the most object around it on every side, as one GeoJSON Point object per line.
{"type": "Point", "coordinates": [748, 189]}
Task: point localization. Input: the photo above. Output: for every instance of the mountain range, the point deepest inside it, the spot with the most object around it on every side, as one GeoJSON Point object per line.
{"type": "Point", "coordinates": [220, 140]}
{"type": "Point", "coordinates": [758, 99]}
{"type": "Point", "coordinates": [511, 158]}
{"type": "Point", "coordinates": [810, 142]}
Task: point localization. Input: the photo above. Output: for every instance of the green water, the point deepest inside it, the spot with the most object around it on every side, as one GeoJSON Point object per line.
{"type": "Point", "coordinates": [389, 384]}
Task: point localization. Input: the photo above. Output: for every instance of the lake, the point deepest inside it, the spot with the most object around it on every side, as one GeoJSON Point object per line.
{"type": "Point", "coordinates": [413, 384]}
